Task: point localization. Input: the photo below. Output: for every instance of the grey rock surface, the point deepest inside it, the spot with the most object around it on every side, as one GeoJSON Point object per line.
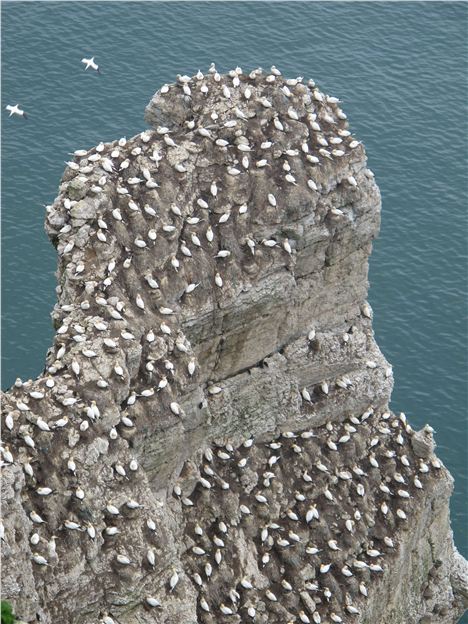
{"type": "Point", "coordinates": [210, 440]}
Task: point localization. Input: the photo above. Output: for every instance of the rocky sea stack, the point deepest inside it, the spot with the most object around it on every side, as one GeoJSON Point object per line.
{"type": "Point", "coordinates": [211, 440]}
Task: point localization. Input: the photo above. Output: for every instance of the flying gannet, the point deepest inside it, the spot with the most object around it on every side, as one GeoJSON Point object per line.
{"type": "Point", "coordinates": [90, 63]}
{"type": "Point", "coordinates": [16, 110]}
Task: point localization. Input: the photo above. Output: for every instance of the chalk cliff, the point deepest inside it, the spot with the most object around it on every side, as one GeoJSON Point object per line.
{"type": "Point", "coordinates": [210, 440]}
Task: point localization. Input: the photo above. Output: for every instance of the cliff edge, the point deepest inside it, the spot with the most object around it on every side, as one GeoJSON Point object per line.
{"type": "Point", "coordinates": [211, 440]}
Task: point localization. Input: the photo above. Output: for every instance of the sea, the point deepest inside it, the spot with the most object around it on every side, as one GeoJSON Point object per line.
{"type": "Point", "coordinates": [400, 69]}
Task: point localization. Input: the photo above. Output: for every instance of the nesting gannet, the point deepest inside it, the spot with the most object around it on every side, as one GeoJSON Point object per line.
{"type": "Point", "coordinates": [39, 559]}
{"type": "Point", "coordinates": [36, 518]}
{"type": "Point", "coordinates": [152, 602]}
{"type": "Point", "coordinates": [173, 580]}
{"type": "Point", "coordinates": [123, 559]}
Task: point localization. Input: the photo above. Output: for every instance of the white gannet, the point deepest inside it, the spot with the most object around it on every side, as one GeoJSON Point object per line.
{"type": "Point", "coordinates": [39, 559]}
{"type": "Point", "coordinates": [16, 110]}
{"type": "Point", "coordinates": [152, 602]}
{"type": "Point", "coordinates": [90, 63]}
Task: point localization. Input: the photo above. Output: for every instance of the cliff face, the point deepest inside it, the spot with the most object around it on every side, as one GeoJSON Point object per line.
{"type": "Point", "coordinates": [211, 439]}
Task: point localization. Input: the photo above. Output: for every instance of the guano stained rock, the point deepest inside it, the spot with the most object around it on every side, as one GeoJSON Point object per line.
{"type": "Point", "coordinates": [210, 440]}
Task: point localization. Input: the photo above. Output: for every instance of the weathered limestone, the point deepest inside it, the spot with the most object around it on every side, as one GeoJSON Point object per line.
{"type": "Point", "coordinates": [214, 384]}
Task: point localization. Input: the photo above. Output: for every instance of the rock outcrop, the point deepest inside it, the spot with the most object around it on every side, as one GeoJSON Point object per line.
{"type": "Point", "coordinates": [210, 440]}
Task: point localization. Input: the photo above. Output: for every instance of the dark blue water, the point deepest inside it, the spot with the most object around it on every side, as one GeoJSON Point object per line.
{"type": "Point", "coordinates": [400, 69]}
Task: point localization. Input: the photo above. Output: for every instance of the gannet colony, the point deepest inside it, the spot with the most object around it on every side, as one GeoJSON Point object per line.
{"type": "Point", "coordinates": [210, 440]}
